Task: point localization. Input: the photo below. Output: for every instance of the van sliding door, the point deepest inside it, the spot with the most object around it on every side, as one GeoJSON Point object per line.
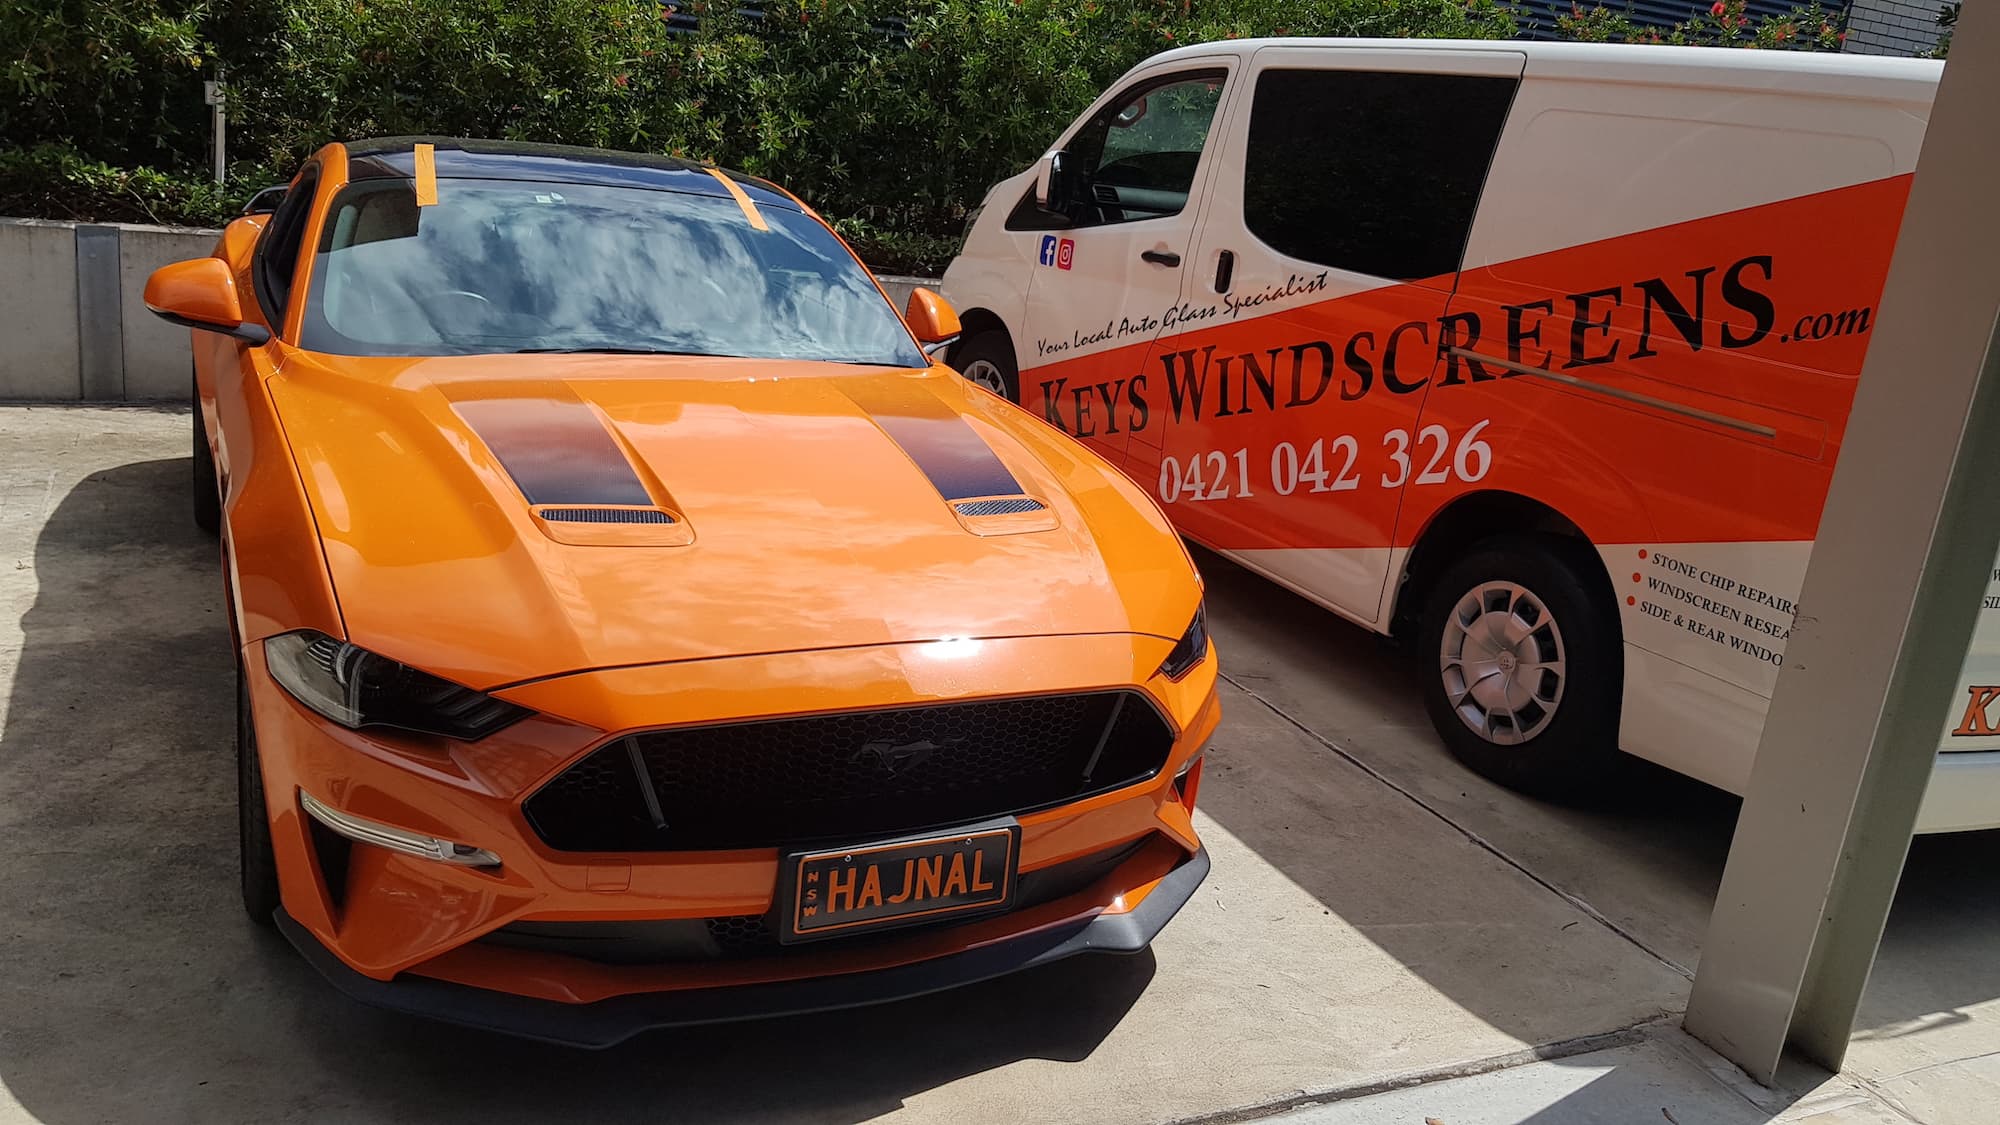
{"type": "Point", "coordinates": [1330, 239]}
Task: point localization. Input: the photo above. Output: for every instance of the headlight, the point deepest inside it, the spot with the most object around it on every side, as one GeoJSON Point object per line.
{"type": "Point", "coordinates": [356, 688]}
{"type": "Point", "coordinates": [1193, 646]}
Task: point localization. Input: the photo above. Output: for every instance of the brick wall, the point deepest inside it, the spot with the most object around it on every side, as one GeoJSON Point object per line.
{"type": "Point", "coordinates": [1893, 27]}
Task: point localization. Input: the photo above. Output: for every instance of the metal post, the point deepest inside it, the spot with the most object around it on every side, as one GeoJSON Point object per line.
{"type": "Point", "coordinates": [1885, 616]}
{"type": "Point", "coordinates": [216, 95]}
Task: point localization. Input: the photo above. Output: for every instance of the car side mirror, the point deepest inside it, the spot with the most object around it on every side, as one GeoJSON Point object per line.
{"type": "Point", "coordinates": [1055, 182]}
{"type": "Point", "coordinates": [266, 201]}
{"type": "Point", "coordinates": [931, 318]}
{"type": "Point", "coordinates": [201, 293]}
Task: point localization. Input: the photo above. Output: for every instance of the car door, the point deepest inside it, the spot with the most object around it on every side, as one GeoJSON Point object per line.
{"type": "Point", "coordinates": [264, 283]}
{"type": "Point", "coordinates": [1310, 329]}
{"type": "Point", "coordinates": [1108, 270]}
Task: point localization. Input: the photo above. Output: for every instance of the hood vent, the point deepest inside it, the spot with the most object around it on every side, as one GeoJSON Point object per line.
{"type": "Point", "coordinates": [1006, 506]}
{"type": "Point", "coordinates": [605, 515]}
{"type": "Point", "coordinates": [583, 525]}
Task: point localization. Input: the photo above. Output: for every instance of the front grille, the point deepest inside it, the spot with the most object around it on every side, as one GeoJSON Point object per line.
{"type": "Point", "coordinates": [849, 777]}
{"type": "Point", "coordinates": [737, 936]}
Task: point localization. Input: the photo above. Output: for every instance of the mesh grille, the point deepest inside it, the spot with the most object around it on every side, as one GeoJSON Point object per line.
{"type": "Point", "coordinates": [605, 515]}
{"type": "Point", "coordinates": [1000, 507]}
{"type": "Point", "coordinates": [852, 776]}
{"type": "Point", "coordinates": [738, 934]}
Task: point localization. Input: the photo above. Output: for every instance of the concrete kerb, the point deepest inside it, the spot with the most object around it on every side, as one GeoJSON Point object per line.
{"type": "Point", "coordinates": [78, 329]}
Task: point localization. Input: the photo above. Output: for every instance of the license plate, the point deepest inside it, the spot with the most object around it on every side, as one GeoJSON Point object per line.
{"type": "Point", "coordinates": [842, 891]}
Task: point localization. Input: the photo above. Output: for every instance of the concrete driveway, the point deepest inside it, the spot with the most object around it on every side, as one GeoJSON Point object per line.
{"type": "Point", "coordinates": [1376, 916]}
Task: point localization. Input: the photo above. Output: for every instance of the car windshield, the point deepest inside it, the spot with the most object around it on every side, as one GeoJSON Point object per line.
{"type": "Point", "coordinates": [515, 266]}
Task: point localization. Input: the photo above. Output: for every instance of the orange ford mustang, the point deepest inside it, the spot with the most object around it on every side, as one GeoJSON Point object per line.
{"type": "Point", "coordinates": [636, 627]}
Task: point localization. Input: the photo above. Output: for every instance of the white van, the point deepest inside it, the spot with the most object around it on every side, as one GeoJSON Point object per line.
{"type": "Point", "coordinates": [1539, 353]}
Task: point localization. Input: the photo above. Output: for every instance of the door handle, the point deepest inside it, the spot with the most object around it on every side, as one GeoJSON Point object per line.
{"type": "Point", "coordinates": [1225, 270]}
{"type": "Point", "coordinates": [1160, 257]}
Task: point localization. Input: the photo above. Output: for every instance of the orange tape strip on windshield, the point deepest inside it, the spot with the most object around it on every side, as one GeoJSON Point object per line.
{"type": "Point", "coordinates": [427, 176]}
{"type": "Point", "coordinates": [750, 211]}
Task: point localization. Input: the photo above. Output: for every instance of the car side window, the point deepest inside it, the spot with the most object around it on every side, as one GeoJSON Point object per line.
{"type": "Point", "coordinates": [1137, 157]}
{"type": "Point", "coordinates": [278, 250]}
{"type": "Point", "coordinates": [1374, 172]}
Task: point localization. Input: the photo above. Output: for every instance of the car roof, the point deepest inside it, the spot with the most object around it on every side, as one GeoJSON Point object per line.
{"type": "Point", "coordinates": [466, 159]}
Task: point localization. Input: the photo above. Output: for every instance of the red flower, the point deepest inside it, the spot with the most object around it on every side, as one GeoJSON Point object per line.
{"type": "Point", "coordinates": [1717, 10]}
{"type": "Point", "coordinates": [620, 80]}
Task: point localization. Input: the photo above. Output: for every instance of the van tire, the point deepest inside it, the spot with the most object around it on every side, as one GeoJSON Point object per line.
{"type": "Point", "coordinates": [257, 858]}
{"type": "Point", "coordinates": [204, 490]}
{"type": "Point", "coordinates": [986, 359]}
{"type": "Point", "coordinates": [1554, 734]}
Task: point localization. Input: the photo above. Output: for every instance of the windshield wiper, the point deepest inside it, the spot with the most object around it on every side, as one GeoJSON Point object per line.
{"type": "Point", "coordinates": [605, 349]}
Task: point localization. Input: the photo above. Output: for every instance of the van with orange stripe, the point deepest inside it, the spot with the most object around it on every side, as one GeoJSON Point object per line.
{"type": "Point", "coordinates": [1538, 354]}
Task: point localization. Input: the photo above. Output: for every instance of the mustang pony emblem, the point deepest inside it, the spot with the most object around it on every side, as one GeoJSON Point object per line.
{"type": "Point", "coordinates": [892, 759]}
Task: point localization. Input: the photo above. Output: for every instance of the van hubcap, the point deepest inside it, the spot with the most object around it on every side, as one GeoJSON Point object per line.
{"type": "Point", "coordinates": [1502, 663]}
{"type": "Point", "coordinates": [986, 373]}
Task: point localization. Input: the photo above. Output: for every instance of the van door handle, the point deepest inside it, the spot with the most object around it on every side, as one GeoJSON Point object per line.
{"type": "Point", "coordinates": [1225, 270]}
{"type": "Point", "coordinates": [1160, 257]}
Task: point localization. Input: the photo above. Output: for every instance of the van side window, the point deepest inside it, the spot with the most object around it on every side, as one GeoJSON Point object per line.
{"type": "Point", "coordinates": [1368, 171]}
{"type": "Point", "coordinates": [1137, 158]}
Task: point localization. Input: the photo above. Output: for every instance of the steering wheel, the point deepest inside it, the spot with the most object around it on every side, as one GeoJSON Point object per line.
{"type": "Point", "coordinates": [452, 311]}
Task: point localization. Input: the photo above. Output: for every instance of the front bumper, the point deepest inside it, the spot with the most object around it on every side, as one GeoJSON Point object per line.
{"type": "Point", "coordinates": [606, 1023]}
{"type": "Point", "coordinates": [409, 925]}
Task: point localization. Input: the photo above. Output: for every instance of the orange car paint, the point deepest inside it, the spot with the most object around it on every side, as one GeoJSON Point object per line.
{"type": "Point", "coordinates": [374, 499]}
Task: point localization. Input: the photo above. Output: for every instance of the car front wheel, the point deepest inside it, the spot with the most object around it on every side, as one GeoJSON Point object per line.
{"type": "Point", "coordinates": [258, 860]}
{"type": "Point", "coordinates": [204, 491]}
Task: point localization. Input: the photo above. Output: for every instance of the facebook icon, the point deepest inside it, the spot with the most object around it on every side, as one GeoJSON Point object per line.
{"type": "Point", "coordinates": [1048, 249]}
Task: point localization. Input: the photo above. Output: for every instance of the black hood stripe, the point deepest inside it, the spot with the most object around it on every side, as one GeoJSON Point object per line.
{"type": "Point", "coordinates": [556, 450]}
{"type": "Point", "coordinates": [959, 464]}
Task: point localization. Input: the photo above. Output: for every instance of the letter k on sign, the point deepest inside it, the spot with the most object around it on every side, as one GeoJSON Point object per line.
{"type": "Point", "coordinates": [1976, 721]}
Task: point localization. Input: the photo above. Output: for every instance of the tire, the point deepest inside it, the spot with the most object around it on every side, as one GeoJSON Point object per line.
{"type": "Point", "coordinates": [257, 858]}
{"type": "Point", "coordinates": [205, 491]}
{"type": "Point", "coordinates": [986, 359]}
{"type": "Point", "coordinates": [1555, 735]}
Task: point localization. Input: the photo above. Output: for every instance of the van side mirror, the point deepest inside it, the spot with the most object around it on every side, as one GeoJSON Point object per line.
{"type": "Point", "coordinates": [201, 293]}
{"type": "Point", "coordinates": [931, 318]}
{"type": "Point", "coordinates": [1055, 183]}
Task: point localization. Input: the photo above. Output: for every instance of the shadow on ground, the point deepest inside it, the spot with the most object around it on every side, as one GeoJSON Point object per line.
{"type": "Point", "coordinates": [137, 990]}
{"type": "Point", "coordinates": [1649, 854]}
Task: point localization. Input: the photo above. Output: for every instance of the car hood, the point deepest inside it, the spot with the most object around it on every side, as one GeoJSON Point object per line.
{"type": "Point", "coordinates": [475, 512]}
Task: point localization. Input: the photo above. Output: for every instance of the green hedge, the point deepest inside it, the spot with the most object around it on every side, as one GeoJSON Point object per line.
{"type": "Point", "coordinates": [891, 135]}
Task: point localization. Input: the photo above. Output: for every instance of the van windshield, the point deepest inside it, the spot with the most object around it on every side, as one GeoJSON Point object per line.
{"type": "Point", "coordinates": [499, 266]}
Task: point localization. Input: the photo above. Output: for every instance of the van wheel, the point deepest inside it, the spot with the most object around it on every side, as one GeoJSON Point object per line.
{"type": "Point", "coordinates": [256, 857]}
{"type": "Point", "coordinates": [987, 359]}
{"type": "Point", "coordinates": [205, 491]}
{"type": "Point", "coordinates": [1528, 665]}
